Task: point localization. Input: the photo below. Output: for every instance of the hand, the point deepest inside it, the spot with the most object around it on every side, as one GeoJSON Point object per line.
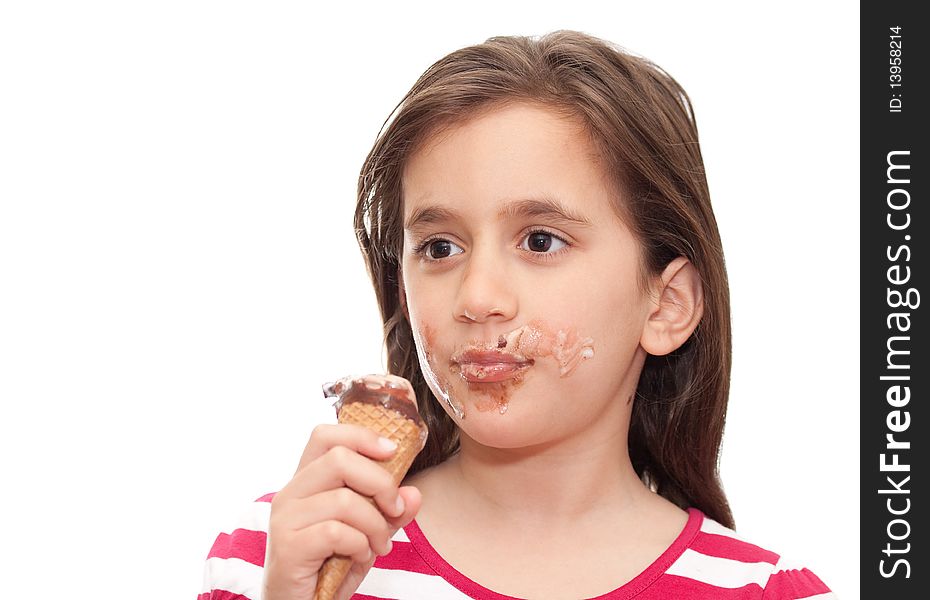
{"type": "Point", "coordinates": [327, 509]}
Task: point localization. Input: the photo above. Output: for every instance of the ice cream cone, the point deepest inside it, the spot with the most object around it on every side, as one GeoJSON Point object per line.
{"type": "Point", "coordinates": [388, 408]}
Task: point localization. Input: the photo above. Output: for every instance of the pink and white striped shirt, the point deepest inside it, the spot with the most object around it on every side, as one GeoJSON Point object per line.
{"type": "Point", "coordinates": [706, 561]}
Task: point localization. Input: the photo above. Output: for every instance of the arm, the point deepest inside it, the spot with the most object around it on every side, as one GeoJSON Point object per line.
{"type": "Point", "coordinates": [235, 564]}
{"type": "Point", "coordinates": [795, 582]}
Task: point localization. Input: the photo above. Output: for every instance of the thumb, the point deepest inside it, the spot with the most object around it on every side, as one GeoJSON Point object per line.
{"type": "Point", "coordinates": [412, 502]}
{"type": "Point", "coordinates": [357, 572]}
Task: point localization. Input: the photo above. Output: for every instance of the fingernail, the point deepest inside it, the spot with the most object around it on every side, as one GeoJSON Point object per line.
{"type": "Point", "coordinates": [390, 545]}
{"type": "Point", "coordinates": [400, 505]}
{"type": "Point", "coordinates": [386, 444]}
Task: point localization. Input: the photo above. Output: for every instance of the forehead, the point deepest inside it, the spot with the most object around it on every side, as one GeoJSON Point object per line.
{"type": "Point", "coordinates": [513, 151]}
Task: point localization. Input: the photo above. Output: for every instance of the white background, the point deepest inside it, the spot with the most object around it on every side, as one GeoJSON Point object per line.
{"type": "Point", "coordinates": [178, 271]}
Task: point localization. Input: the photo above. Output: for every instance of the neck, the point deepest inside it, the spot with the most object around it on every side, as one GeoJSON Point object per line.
{"type": "Point", "coordinates": [563, 481]}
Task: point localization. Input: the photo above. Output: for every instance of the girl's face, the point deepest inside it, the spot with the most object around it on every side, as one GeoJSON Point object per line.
{"type": "Point", "coordinates": [520, 280]}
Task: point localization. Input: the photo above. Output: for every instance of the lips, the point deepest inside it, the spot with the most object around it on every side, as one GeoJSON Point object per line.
{"type": "Point", "coordinates": [489, 366]}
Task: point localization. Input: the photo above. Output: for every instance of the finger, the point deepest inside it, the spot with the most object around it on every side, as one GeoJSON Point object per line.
{"type": "Point", "coordinates": [344, 505]}
{"type": "Point", "coordinates": [340, 467]}
{"type": "Point", "coordinates": [412, 499]}
{"type": "Point", "coordinates": [324, 539]}
{"type": "Point", "coordinates": [355, 437]}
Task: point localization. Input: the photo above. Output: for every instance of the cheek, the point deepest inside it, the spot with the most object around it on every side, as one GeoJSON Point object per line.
{"type": "Point", "coordinates": [619, 350]}
{"type": "Point", "coordinates": [614, 316]}
{"type": "Point", "coordinates": [423, 298]}
{"type": "Point", "coordinates": [429, 356]}
{"type": "Point", "coordinates": [564, 348]}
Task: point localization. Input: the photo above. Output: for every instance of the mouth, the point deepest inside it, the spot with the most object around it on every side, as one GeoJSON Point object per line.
{"type": "Point", "coordinates": [490, 366]}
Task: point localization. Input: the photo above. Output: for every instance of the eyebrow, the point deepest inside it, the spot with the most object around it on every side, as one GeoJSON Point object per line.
{"type": "Point", "coordinates": [547, 207]}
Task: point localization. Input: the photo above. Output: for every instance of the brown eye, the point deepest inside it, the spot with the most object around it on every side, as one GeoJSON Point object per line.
{"type": "Point", "coordinates": [441, 249]}
{"type": "Point", "coordinates": [542, 242]}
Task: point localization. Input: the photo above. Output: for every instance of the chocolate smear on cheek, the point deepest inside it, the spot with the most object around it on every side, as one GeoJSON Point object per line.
{"type": "Point", "coordinates": [565, 346]}
{"type": "Point", "coordinates": [425, 340]}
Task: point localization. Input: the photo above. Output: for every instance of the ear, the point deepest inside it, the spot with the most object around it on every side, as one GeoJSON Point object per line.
{"type": "Point", "coordinates": [402, 292]}
{"type": "Point", "coordinates": [677, 308]}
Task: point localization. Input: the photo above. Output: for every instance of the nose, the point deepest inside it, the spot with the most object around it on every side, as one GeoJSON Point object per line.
{"type": "Point", "coordinates": [485, 293]}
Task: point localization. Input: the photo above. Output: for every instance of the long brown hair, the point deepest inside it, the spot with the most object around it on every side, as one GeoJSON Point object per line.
{"type": "Point", "coordinates": [642, 124]}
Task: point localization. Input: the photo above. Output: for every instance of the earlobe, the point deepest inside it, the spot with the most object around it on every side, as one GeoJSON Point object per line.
{"type": "Point", "coordinates": [676, 310]}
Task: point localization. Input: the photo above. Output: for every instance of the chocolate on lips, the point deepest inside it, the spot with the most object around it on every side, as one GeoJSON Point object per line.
{"type": "Point", "coordinates": [521, 346]}
{"type": "Point", "coordinates": [493, 370]}
{"type": "Point", "coordinates": [490, 365]}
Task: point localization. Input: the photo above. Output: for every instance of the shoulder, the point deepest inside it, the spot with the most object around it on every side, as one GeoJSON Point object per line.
{"type": "Point", "coordinates": [235, 562]}
{"type": "Point", "coordinates": [719, 561]}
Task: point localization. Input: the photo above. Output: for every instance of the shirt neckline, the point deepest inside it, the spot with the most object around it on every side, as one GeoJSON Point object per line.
{"type": "Point", "coordinates": [628, 590]}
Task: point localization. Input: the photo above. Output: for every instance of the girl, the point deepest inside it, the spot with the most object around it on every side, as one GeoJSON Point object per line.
{"type": "Point", "coordinates": [538, 229]}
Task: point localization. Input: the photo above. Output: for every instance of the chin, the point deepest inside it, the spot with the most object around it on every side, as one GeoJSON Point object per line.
{"type": "Point", "coordinates": [495, 433]}
{"type": "Point", "coordinates": [507, 414]}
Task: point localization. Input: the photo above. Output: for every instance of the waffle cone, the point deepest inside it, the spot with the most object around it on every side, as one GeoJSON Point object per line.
{"type": "Point", "coordinates": [397, 428]}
